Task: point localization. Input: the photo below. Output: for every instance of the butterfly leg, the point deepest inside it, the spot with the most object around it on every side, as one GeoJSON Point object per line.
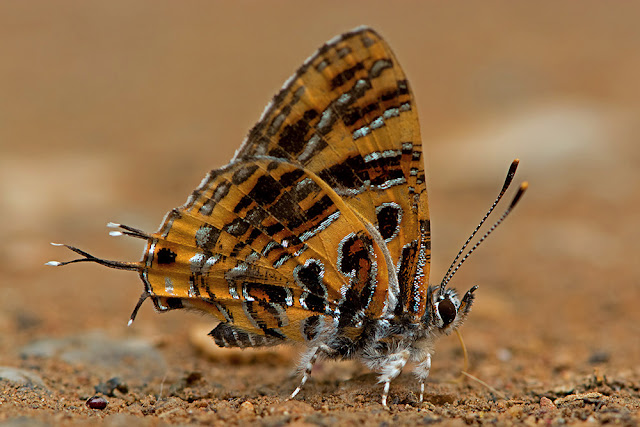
{"type": "Point", "coordinates": [308, 360]}
{"type": "Point", "coordinates": [422, 372]}
{"type": "Point", "coordinates": [391, 368]}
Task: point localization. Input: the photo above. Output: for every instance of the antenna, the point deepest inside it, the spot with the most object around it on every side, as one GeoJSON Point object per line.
{"type": "Point", "coordinates": [510, 174]}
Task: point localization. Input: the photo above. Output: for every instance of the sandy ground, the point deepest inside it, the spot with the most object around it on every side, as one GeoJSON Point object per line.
{"type": "Point", "coordinates": [114, 111]}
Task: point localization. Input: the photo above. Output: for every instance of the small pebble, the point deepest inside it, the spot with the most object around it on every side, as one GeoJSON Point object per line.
{"type": "Point", "coordinates": [600, 356]}
{"type": "Point", "coordinates": [247, 406]}
{"type": "Point", "coordinates": [547, 404]}
{"type": "Point", "coordinates": [111, 386]}
{"type": "Point", "coordinates": [503, 354]}
{"type": "Point", "coordinates": [97, 402]}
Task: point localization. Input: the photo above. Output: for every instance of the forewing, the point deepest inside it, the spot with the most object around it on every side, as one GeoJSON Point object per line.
{"type": "Point", "coordinates": [349, 116]}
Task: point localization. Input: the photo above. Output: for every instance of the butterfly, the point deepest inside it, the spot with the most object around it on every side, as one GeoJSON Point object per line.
{"type": "Point", "coordinates": [318, 229]}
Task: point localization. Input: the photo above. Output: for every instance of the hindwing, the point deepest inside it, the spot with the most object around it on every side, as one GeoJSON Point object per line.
{"type": "Point", "coordinates": [255, 245]}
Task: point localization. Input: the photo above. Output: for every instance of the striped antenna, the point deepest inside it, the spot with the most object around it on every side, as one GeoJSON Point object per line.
{"type": "Point", "coordinates": [507, 182]}
{"type": "Point", "coordinates": [516, 199]}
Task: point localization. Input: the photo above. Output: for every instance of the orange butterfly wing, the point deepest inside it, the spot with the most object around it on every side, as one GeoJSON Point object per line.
{"type": "Point", "coordinates": [247, 248]}
{"type": "Point", "coordinates": [349, 116]}
{"type": "Point", "coordinates": [320, 221]}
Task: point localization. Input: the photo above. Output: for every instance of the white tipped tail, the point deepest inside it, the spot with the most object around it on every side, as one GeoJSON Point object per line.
{"type": "Point", "coordinates": [54, 263]}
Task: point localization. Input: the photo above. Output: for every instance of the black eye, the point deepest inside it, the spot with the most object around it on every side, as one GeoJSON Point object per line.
{"type": "Point", "coordinates": [447, 311]}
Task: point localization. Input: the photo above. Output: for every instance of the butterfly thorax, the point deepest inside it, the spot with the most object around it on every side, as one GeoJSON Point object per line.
{"type": "Point", "coordinates": [375, 340]}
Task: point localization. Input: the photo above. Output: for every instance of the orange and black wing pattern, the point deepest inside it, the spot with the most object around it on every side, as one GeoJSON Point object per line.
{"type": "Point", "coordinates": [320, 221]}
{"type": "Point", "coordinates": [349, 116]}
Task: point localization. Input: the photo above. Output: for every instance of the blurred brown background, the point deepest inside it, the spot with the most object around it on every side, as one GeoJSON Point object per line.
{"type": "Point", "coordinates": [114, 111]}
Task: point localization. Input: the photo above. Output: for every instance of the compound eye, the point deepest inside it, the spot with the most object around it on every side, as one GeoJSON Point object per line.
{"type": "Point", "coordinates": [447, 311]}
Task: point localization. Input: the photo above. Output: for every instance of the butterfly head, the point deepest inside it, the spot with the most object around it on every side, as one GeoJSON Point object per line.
{"type": "Point", "coordinates": [447, 311]}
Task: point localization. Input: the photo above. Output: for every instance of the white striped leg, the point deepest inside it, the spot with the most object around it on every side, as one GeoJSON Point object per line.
{"type": "Point", "coordinates": [310, 356]}
{"type": "Point", "coordinates": [391, 368]}
{"type": "Point", "coordinates": [422, 372]}
{"type": "Point", "coordinates": [385, 393]}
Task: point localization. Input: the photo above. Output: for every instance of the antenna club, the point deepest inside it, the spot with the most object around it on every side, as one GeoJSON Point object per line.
{"type": "Point", "coordinates": [512, 171]}
{"type": "Point", "coordinates": [516, 198]}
